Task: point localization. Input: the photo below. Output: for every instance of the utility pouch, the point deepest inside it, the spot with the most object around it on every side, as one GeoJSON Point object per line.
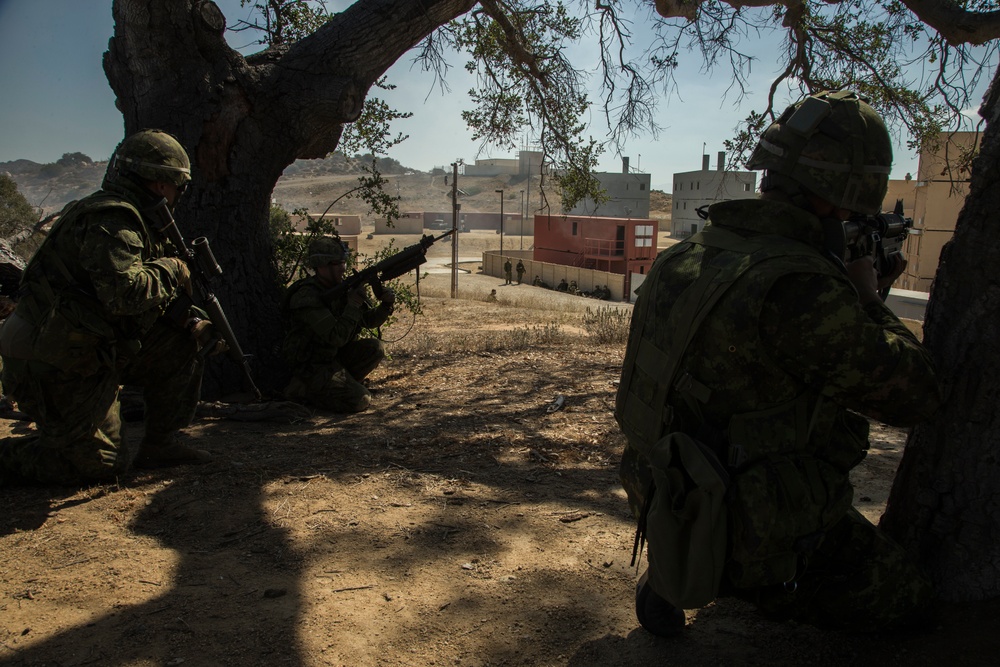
{"type": "Point", "coordinates": [780, 509]}
{"type": "Point", "coordinates": [686, 524]}
{"type": "Point", "coordinates": [74, 339]}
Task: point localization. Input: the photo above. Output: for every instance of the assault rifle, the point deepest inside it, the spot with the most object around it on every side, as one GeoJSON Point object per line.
{"type": "Point", "coordinates": [201, 262]}
{"type": "Point", "coordinates": [404, 261]}
{"type": "Point", "coordinates": [881, 236]}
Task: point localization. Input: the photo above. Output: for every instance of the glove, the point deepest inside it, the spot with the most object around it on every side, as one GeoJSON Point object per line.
{"type": "Point", "coordinates": [178, 268]}
{"type": "Point", "coordinates": [357, 297]}
{"type": "Point", "coordinates": [203, 332]}
{"type": "Point", "coordinates": [388, 298]}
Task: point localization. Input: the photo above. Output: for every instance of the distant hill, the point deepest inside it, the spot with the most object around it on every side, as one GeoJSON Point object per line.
{"type": "Point", "coordinates": [314, 184]}
{"type": "Point", "coordinates": [660, 201]}
{"type": "Point", "coordinates": [51, 186]}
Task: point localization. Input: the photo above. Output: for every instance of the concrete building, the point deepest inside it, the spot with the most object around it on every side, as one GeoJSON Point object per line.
{"type": "Point", "coordinates": [938, 194]}
{"type": "Point", "coordinates": [629, 193]}
{"type": "Point", "coordinates": [694, 189]}
{"type": "Point", "coordinates": [526, 162]}
{"type": "Point", "coordinates": [491, 167]}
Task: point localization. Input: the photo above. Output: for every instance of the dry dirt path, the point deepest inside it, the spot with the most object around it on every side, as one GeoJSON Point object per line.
{"type": "Point", "coordinates": [456, 523]}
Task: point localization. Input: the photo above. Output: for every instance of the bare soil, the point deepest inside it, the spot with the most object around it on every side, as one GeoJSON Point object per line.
{"type": "Point", "coordinates": [457, 522]}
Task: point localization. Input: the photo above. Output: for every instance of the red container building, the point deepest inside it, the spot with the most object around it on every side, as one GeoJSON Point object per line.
{"type": "Point", "coordinates": [615, 245]}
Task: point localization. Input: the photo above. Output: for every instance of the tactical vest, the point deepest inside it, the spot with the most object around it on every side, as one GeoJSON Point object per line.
{"type": "Point", "coordinates": [654, 389]}
{"type": "Point", "coordinates": [59, 318]}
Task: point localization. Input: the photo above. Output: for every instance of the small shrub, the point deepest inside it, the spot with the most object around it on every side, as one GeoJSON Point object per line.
{"type": "Point", "coordinates": [607, 325]}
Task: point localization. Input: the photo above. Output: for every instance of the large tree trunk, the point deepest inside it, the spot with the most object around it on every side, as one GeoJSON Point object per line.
{"type": "Point", "coordinates": [945, 502]}
{"type": "Point", "coordinates": [243, 120]}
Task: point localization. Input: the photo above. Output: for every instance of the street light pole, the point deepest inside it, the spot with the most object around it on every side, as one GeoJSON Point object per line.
{"type": "Point", "coordinates": [501, 222]}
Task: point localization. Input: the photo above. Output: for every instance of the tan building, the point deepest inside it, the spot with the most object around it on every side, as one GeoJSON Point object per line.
{"type": "Point", "coordinates": [346, 225]}
{"type": "Point", "coordinates": [934, 200]}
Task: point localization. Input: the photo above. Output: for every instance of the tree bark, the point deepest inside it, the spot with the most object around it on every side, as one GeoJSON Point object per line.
{"type": "Point", "coordinates": [945, 500]}
{"type": "Point", "coordinates": [243, 120]}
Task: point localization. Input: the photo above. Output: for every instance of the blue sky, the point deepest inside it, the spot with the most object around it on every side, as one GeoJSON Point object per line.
{"type": "Point", "coordinates": [57, 100]}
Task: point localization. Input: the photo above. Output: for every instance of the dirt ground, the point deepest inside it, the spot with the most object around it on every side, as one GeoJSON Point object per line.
{"type": "Point", "coordinates": [457, 522]}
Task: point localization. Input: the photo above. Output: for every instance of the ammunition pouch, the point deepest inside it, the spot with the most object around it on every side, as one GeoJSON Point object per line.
{"type": "Point", "coordinates": [780, 508]}
{"type": "Point", "coordinates": [74, 339]}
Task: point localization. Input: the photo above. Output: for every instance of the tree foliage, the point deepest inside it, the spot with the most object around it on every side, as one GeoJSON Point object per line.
{"type": "Point", "coordinates": [278, 22]}
{"type": "Point", "coordinates": [16, 214]}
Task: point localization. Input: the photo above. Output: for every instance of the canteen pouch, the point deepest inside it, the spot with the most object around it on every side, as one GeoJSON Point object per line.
{"type": "Point", "coordinates": [687, 521]}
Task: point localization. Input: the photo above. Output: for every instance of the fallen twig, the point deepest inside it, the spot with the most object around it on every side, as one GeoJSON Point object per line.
{"type": "Point", "coordinates": [350, 588]}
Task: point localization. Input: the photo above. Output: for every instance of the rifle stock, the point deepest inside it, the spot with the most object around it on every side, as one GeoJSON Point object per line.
{"type": "Point", "coordinates": [203, 266]}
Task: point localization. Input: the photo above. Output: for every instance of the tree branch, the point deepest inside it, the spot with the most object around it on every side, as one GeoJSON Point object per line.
{"type": "Point", "coordinates": [956, 24]}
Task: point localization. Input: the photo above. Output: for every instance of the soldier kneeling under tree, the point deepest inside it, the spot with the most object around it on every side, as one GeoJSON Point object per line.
{"type": "Point", "coordinates": [322, 344]}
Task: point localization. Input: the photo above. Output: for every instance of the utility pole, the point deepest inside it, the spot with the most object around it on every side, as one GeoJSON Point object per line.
{"type": "Point", "coordinates": [522, 220]}
{"type": "Point", "coordinates": [501, 222]}
{"type": "Point", "coordinates": [455, 208]}
{"type": "Point", "coordinates": [527, 199]}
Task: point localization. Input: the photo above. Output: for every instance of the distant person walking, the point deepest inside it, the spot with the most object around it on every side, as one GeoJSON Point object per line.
{"type": "Point", "coordinates": [520, 271]}
{"type": "Point", "coordinates": [506, 271]}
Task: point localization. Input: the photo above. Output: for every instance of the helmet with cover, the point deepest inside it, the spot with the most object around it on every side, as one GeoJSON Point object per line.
{"type": "Point", "coordinates": [153, 155]}
{"type": "Point", "coordinates": [832, 144]}
{"type": "Point", "coordinates": [326, 250]}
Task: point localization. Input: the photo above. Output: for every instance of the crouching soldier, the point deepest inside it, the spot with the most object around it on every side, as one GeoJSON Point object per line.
{"type": "Point", "coordinates": [92, 317]}
{"type": "Point", "coordinates": [322, 345]}
{"type": "Point", "coordinates": [752, 350]}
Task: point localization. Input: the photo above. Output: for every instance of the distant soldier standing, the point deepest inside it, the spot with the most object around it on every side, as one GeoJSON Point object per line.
{"type": "Point", "coordinates": [520, 271]}
{"type": "Point", "coordinates": [506, 270]}
{"type": "Point", "coordinates": [91, 317]}
{"type": "Point", "coordinates": [321, 345]}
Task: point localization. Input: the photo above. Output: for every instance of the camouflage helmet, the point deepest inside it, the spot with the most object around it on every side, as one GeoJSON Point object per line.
{"type": "Point", "coordinates": [326, 250]}
{"type": "Point", "coordinates": [834, 145]}
{"type": "Point", "coordinates": [153, 155]}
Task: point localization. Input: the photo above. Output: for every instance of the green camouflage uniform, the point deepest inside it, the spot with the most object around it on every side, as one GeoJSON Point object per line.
{"type": "Point", "coordinates": [768, 380]}
{"type": "Point", "coordinates": [89, 320]}
{"type": "Point", "coordinates": [322, 347]}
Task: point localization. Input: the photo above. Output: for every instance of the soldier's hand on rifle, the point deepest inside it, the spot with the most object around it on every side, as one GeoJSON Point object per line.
{"type": "Point", "coordinates": [203, 332]}
{"type": "Point", "coordinates": [388, 297]}
{"type": "Point", "coordinates": [356, 297]}
{"type": "Point", "coordinates": [861, 273]}
{"type": "Point", "coordinates": [178, 268]}
{"type": "Point", "coordinates": [898, 266]}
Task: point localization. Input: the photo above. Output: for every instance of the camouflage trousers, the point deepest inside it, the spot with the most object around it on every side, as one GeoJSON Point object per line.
{"type": "Point", "coordinates": [857, 579]}
{"type": "Point", "coordinates": [78, 417]}
{"type": "Point", "coordinates": [336, 386]}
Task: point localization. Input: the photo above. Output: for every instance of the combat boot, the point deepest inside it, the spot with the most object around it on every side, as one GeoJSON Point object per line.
{"type": "Point", "coordinates": [658, 616]}
{"type": "Point", "coordinates": [168, 454]}
{"type": "Point", "coordinates": [296, 390]}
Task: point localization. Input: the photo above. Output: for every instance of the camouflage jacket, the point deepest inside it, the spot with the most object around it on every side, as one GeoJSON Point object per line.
{"type": "Point", "coordinates": [98, 272]}
{"type": "Point", "coordinates": [787, 348]}
{"type": "Point", "coordinates": [316, 328]}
